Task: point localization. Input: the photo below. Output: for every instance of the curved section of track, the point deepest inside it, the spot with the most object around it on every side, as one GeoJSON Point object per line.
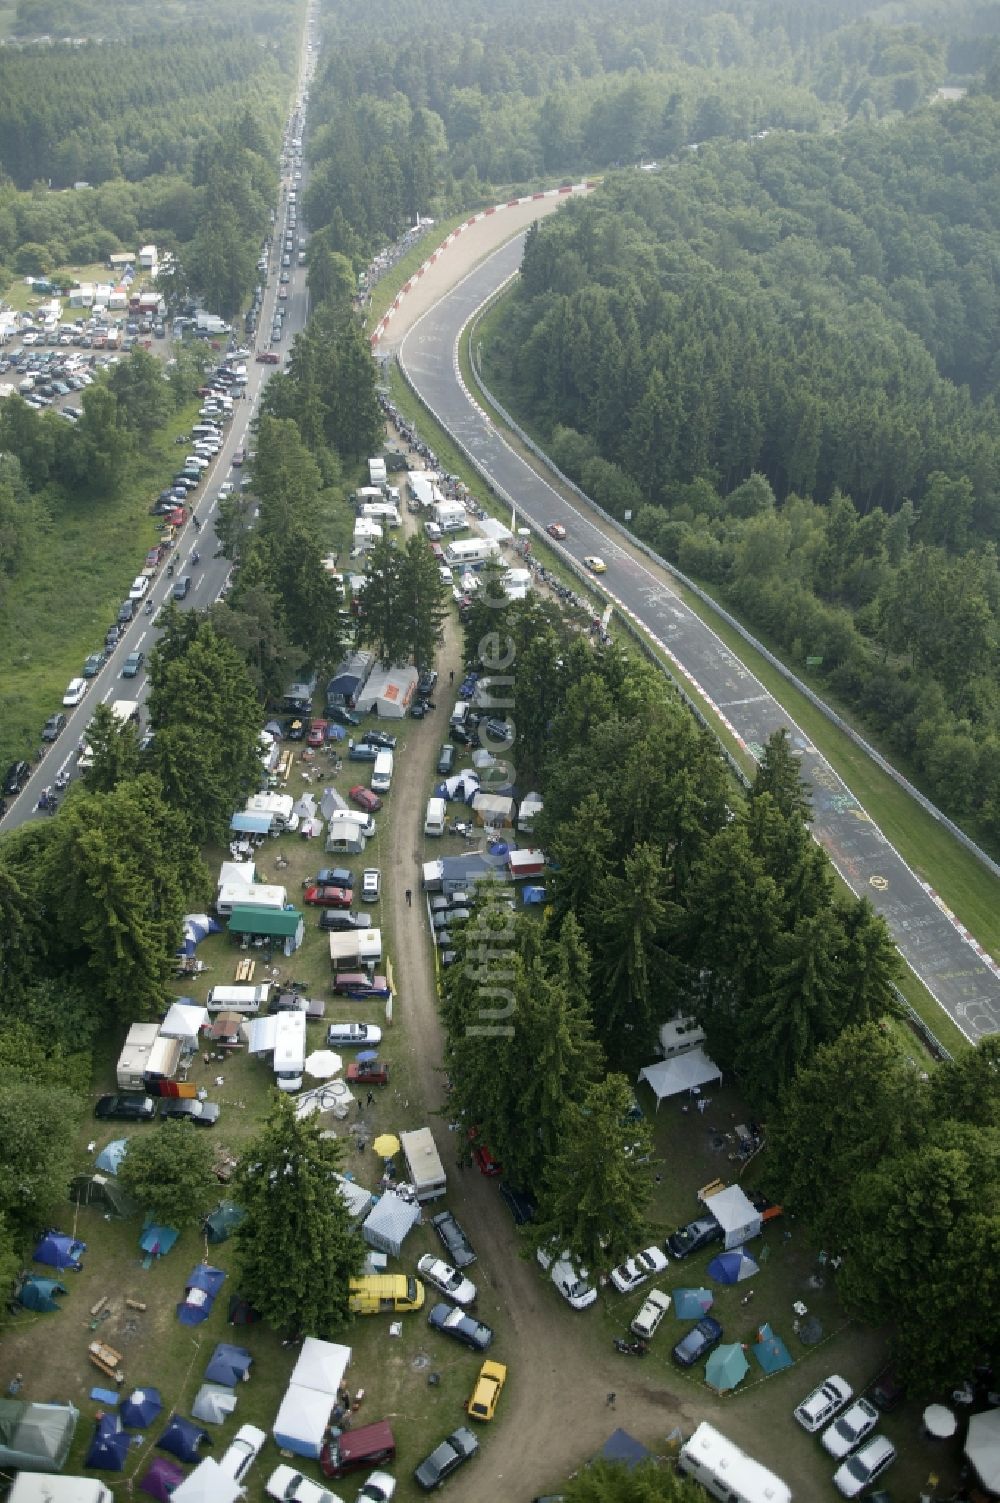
{"type": "Point", "coordinates": [963, 979]}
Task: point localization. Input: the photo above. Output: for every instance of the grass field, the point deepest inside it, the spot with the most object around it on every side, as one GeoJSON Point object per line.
{"type": "Point", "coordinates": [62, 601]}
{"type": "Point", "coordinates": [24, 299]}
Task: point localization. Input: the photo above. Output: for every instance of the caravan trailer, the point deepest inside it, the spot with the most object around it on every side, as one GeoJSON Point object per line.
{"type": "Point", "coordinates": [726, 1472]}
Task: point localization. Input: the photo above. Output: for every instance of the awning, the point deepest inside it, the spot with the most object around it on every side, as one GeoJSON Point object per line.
{"type": "Point", "coordinates": [244, 823]}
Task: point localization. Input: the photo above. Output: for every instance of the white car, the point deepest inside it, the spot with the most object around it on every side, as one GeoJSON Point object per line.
{"type": "Point", "coordinates": [865, 1466]}
{"type": "Point", "coordinates": [460, 1290]}
{"type": "Point", "coordinates": [289, 1486]}
{"type": "Point", "coordinates": [371, 884]}
{"type": "Point", "coordinates": [655, 1306]}
{"type": "Point", "coordinates": [850, 1429]}
{"type": "Point", "coordinates": [364, 1035]}
{"type": "Point", "coordinates": [242, 1451]}
{"type": "Point", "coordinates": [378, 1489]}
{"type": "Point", "coordinates": [75, 690]}
{"type": "Point", "coordinates": [635, 1271]}
{"type": "Point", "coordinates": [823, 1403]}
{"type": "Point", "coordinates": [570, 1280]}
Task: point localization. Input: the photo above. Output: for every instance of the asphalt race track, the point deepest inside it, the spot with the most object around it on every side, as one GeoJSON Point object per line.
{"type": "Point", "coordinates": [954, 968]}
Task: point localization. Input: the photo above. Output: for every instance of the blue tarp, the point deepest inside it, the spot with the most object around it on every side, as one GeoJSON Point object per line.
{"type": "Point", "coordinates": [111, 1155]}
{"type": "Point", "coordinates": [770, 1351]}
{"type": "Point", "coordinates": [202, 1287]}
{"type": "Point", "coordinates": [532, 895]}
{"type": "Point", "coordinates": [58, 1250]}
{"type": "Point", "coordinates": [109, 1447]}
{"type": "Point", "coordinates": [245, 823]}
{"type": "Point", "coordinates": [182, 1437]}
{"type": "Point", "coordinates": [141, 1408]}
{"type": "Point", "coordinates": [620, 1446]}
{"type": "Point", "coordinates": [229, 1365]}
{"type": "Point", "coordinates": [37, 1293]}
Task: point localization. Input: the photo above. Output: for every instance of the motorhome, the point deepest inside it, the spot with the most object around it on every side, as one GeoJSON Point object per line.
{"type": "Point", "coordinates": [434, 819]}
{"type": "Point", "coordinates": [381, 779]}
{"type": "Point", "coordinates": [290, 1050]}
{"type": "Point", "coordinates": [255, 895]}
{"type": "Point", "coordinates": [726, 1472]}
{"type": "Point", "coordinates": [244, 999]}
{"type": "Point", "coordinates": [469, 553]}
{"type": "Point", "coordinates": [423, 1164]}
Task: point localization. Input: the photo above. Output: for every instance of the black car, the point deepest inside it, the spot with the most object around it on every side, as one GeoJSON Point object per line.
{"type": "Point", "coordinates": [135, 1108]}
{"type": "Point", "coordinates": [132, 664]}
{"type": "Point", "coordinates": [334, 876]}
{"type": "Point", "coordinates": [18, 774]}
{"type": "Point", "coordinates": [125, 612]}
{"type": "Point", "coordinates": [446, 759]}
{"type": "Point", "coordinates": [520, 1205]}
{"type": "Point", "coordinates": [379, 738]}
{"type": "Point", "coordinates": [93, 665]}
{"type": "Point", "coordinates": [453, 1322]}
{"type": "Point", "coordinates": [456, 1243]}
{"type": "Point", "coordinates": [699, 1233]}
{"type": "Point", "coordinates": [462, 736]}
{"type": "Point", "coordinates": [459, 1446]}
{"type": "Point", "coordinates": [201, 1113]}
{"type": "Point", "coordinates": [419, 709]}
{"type": "Point", "coordinates": [53, 726]}
{"type": "Point", "coordinates": [339, 920]}
{"type": "Point", "coordinates": [426, 682]}
{"type": "Point", "coordinates": [697, 1342]}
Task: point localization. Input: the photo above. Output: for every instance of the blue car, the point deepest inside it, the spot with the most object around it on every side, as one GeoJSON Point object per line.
{"type": "Point", "coordinates": [698, 1342]}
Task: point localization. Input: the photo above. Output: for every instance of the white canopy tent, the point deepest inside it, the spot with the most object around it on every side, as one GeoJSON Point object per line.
{"type": "Point", "coordinates": [301, 1422]}
{"type": "Point", "coordinates": [321, 1365]}
{"type": "Point", "coordinates": [208, 1483]}
{"type": "Point", "coordinates": [183, 1021]}
{"type": "Point", "coordinates": [389, 1222]}
{"type": "Point", "coordinates": [736, 1214]}
{"type": "Point", "coordinates": [685, 1073]}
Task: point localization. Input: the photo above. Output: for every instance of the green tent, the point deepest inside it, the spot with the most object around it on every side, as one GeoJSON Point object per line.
{"type": "Point", "coordinates": [284, 924]}
{"type": "Point", "coordinates": [35, 1437]}
{"type": "Point", "coordinates": [223, 1221]}
{"type": "Point", "coordinates": [104, 1193]}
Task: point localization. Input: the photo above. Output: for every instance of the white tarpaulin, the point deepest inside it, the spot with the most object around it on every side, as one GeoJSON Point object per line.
{"type": "Point", "coordinates": [736, 1214]}
{"type": "Point", "coordinates": [262, 1035]}
{"type": "Point", "coordinates": [685, 1073]}
{"type": "Point", "coordinates": [183, 1021]}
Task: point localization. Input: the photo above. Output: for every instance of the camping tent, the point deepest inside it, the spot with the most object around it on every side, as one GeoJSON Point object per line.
{"type": "Point", "coordinates": [684, 1073]}
{"type": "Point", "coordinates": [726, 1367]}
{"type": "Point", "coordinates": [182, 1437]}
{"type": "Point", "coordinates": [241, 1312]}
{"type": "Point", "coordinates": [59, 1250]}
{"type": "Point", "coordinates": [357, 1199]}
{"type": "Point", "coordinates": [161, 1479]}
{"type": "Point", "coordinates": [624, 1448]}
{"type": "Point", "coordinates": [37, 1293]}
{"type": "Point", "coordinates": [104, 1193]}
{"type": "Point", "coordinates": [196, 927]}
{"type": "Point", "coordinates": [770, 1351]}
{"type": "Point", "coordinates": [692, 1304]}
{"type": "Point", "coordinates": [732, 1267]}
{"type": "Point", "coordinates": [156, 1241]}
{"type": "Point", "coordinates": [388, 1223]}
{"type": "Point", "coordinates": [199, 1295]}
{"type": "Point", "coordinates": [388, 692]}
{"type": "Point", "coordinates": [214, 1403]}
{"type": "Point", "coordinates": [183, 1022]}
{"type": "Point", "coordinates": [141, 1408]}
{"type": "Point", "coordinates": [110, 1157]}
{"type": "Point", "coordinates": [109, 1447]}
{"type": "Point", "coordinates": [36, 1437]}
{"type": "Point", "coordinates": [736, 1214]}
{"type": "Point", "coordinates": [223, 1221]}
{"type": "Point", "coordinates": [229, 1365]}
{"type": "Point", "coordinates": [208, 1483]}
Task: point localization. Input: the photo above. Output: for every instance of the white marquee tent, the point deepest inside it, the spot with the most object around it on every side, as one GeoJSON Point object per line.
{"type": "Point", "coordinates": [208, 1483]}
{"type": "Point", "coordinates": [685, 1073]}
{"type": "Point", "coordinates": [736, 1214]}
{"type": "Point", "coordinates": [183, 1021]}
{"type": "Point", "coordinates": [302, 1420]}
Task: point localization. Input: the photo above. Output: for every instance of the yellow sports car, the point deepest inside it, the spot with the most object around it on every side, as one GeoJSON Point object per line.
{"type": "Point", "coordinates": [595, 565]}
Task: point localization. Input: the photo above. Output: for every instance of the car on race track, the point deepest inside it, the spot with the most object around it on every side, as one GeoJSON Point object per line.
{"type": "Point", "coordinates": [447, 1279]}
{"type": "Point", "coordinates": [556, 530]}
{"type": "Point", "coordinates": [635, 1271]}
{"type": "Point", "coordinates": [327, 897]}
{"type": "Point", "coordinates": [453, 1322]}
{"type": "Point", "coordinates": [457, 1448]}
{"type": "Point", "coordinates": [595, 564]}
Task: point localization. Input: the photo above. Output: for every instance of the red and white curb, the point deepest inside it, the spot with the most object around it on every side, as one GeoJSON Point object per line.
{"type": "Point", "coordinates": [513, 203]}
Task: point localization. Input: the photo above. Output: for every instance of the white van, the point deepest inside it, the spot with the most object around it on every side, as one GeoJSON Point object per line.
{"type": "Point", "coordinates": [381, 780]}
{"type": "Point", "coordinates": [727, 1473]}
{"type": "Point", "coordinates": [290, 1050]}
{"type": "Point", "coordinates": [434, 819]}
{"type": "Point", "coordinates": [42, 1487]}
{"type": "Point", "coordinates": [245, 999]}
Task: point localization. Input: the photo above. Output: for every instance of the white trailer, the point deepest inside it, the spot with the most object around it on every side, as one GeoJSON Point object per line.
{"type": "Point", "coordinates": [423, 1164]}
{"type": "Point", "coordinates": [469, 553]}
{"type": "Point", "coordinates": [376, 470]}
{"type": "Point", "coordinates": [245, 999]}
{"type": "Point", "coordinates": [728, 1473]}
{"type": "Point", "coordinates": [355, 947]}
{"type": "Point", "coordinates": [255, 895]}
{"type": "Point", "coordinates": [450, 516]}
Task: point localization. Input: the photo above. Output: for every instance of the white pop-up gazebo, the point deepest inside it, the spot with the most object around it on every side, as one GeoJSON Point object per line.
{"type": "Point", "coordinates": [685, 1073]}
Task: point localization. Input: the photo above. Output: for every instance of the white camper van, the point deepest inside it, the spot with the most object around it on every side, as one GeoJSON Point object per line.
{"type": "Point", "coordinates": [437, 811]}
{"type": "Point", "coordinates": [290, 1050]}
{"type": "Point", "coordinates": [382, 772]}
{"type": "Point", "coordinates": [727, 1473]}
{"type": "Point", "coordinates": [245, 999]}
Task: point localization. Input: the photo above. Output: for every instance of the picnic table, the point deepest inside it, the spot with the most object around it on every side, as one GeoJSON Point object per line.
{"type": "Point", "coordinates": [245, 969]}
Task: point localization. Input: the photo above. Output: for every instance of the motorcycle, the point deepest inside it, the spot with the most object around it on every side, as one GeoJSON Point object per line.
{"type": "Point", "coordinates": [170, 571]}
{"type": "Point", "coordinates": [635, 1348]}
{"type": "Point", "coordinates": [195, 524]}
{"type": "Point", "coordinates": [62, 781]}
{"type": "Point", "coordinates": [148, 608]}
{"type": "Point", "coordinates": [196, 557]}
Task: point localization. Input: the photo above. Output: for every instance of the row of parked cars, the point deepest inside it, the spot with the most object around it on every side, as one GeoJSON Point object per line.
{"type": "Point", "coordinates": [847, 1424]}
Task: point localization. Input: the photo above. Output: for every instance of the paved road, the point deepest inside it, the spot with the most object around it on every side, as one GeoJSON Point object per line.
{"type": "Point", "coordinates": [209, 577]}
{"type": "Point", "coordinates": [964, 981]}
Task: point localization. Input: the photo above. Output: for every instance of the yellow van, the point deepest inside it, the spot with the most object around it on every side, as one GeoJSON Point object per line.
{"type": "Point", "coordinates": [385, 1293]}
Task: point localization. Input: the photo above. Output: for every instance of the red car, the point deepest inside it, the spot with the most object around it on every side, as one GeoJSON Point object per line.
{"type": "Point", "coordinates": [556, 530]}
{"type": "Point", "coordinates": [368, 1072]}
{"type": "Point", "coordinates": [327, 897]}
{"type": "Point", "coordinates": [365, 799]}
{"type": "Point", "coordinates": [317, 732]}
{"type": "Point", "coordinates": [482, 1158]}
{"type": "Point", "coordinates": [177, 517]}
{"type": "Point", "coordinates": [359, 984]}
{"type": "Point", "coordinates": [152, 558]}
{"type": "Point", "coordinates": [268, 357]}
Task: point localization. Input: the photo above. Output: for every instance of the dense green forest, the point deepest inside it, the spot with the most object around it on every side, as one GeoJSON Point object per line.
{"type": "Point", "coordinates": [781, 356]}
{"type": "Point", "coordinates": [483, 95]}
